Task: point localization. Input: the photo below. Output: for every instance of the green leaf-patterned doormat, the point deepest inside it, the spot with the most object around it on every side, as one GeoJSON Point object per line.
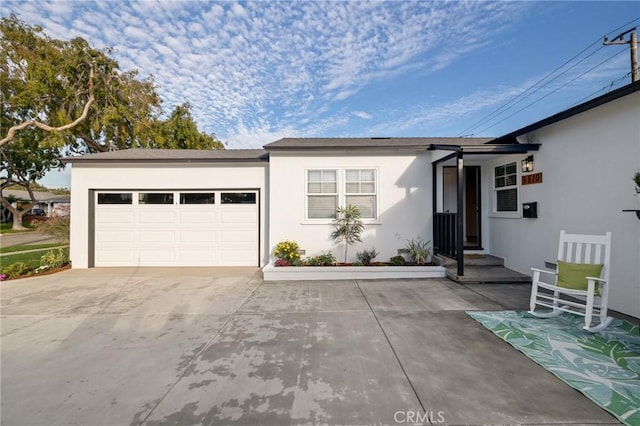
{"type": "Point", "coordinates": [604, 366]}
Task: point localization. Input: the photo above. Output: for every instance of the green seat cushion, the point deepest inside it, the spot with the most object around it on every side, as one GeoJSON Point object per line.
{"type": "Point", "coordinates": [574, 275]}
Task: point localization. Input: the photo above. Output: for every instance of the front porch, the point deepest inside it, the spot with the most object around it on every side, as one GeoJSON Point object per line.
{"type": "Point", "coordinates": [482, 269]}
{"type": "Point", "coordinates": [464, 198]}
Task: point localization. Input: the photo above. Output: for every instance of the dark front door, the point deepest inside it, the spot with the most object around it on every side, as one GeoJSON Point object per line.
{"type": "Point", "coordinates": [471, 202]}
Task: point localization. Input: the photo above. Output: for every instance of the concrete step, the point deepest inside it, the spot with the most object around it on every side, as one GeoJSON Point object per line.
{"type": "Point", "coordinates": [471, 260]}
{"type": "Point", "coordinates": [487, 274]}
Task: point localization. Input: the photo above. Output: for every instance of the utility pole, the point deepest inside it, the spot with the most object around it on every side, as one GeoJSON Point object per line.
{"type": "Point", "coordinates": [633, 42]}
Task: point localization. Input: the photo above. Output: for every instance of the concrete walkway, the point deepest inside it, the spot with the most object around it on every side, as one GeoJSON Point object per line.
{"type": "Point", "coordinates": [219, 346]}
{"type": "Point", "coordinates": [23, 238]}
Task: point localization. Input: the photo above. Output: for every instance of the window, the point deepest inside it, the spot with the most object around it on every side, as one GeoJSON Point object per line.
{"type": "Point", "coordinates": [322, 194]}
{"type": "Point", "coordinates": [197, 198]}
{"type": "Point", "coordinates": [325, 192]}
{"type": "Point", "coordinates": [360, 191]}
{"type": "Point", "coordinates": [155, 198]}
{"type": "Point", "coordinates": [506, 188]}
{"type": "Point", "coordinates": [238, 198]}
{"type": "Point", "coordinates": [115, 198]}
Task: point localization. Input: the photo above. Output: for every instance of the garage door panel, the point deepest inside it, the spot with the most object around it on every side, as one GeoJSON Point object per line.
{"type": "Point", "coordinates": [176, 234]}
{"type": "Point", "coordinates": [114, 257]}
{"type": "Point", "coordinates": [156, 236]}
{"type": "Point", "coordinates": [238, 217]}
{"type": "Point", "coordinates": [231, 237]}
{"type": "Point", "coordinates": [208, 237]}
{"type": "Point", "coordinates": [153, 218]}
{"type": "Point", "coordinates": [205, 218]}
{"type": "Point", "coordinates": [198, 257]}
{"type": "Point", "coordinates": [238, 257]}
{"type": "Point", "coordinates": [106, 217]}
{"type": "Point", "coordinates": [115, 237]}
{"type": "Point", "coordinates": [155, 257]}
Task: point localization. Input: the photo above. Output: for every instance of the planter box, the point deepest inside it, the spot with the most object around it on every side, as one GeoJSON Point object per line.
{"type": "Point", "coordinates": [302, 273]}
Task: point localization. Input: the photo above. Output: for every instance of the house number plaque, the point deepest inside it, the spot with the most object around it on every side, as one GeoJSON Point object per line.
{"type": "Point", "coordinates": [532, 178]}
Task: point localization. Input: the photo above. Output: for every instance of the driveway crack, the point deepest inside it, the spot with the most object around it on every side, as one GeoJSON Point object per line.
{"type": "Point", "coordinates": [395, 354]}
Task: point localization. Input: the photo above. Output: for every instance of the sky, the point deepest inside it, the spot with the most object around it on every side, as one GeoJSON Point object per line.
{"type": "Point", "coordinates": [257, 71]}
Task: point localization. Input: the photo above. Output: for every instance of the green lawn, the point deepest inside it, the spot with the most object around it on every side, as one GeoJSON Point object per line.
{"type": "Point", "coordinates": [5, 228]}
{"type": "Point", "coordinates": [31, 259]}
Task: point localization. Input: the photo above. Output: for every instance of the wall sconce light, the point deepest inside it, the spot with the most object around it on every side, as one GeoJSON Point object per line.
{"type": "Point", "coordinates": [527, 164]}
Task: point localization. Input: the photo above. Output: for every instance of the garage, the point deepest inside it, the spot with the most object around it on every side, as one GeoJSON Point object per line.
{"type": "Point", "coordinates": [176, 228]}
{"type": "Point", "coordinates": [169, 207]}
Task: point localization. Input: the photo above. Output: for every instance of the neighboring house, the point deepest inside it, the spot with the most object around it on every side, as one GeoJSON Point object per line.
{"type": "Point", "coordinates": [52, 204]}
{"type": "Point", "coordinates": [230, 208]}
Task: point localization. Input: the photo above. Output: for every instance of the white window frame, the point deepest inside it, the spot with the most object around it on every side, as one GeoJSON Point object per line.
{"type": "Point", "coordinates": [355, 194]}
{"type": "Point", "coordinates": [341, 194]}
{"type": "Point", "coordinates": [506, 214]}
{"type": "Point", "coordinates": [308, 194]}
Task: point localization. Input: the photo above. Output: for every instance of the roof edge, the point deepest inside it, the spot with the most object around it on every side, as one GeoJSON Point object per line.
{"type": "Point", "coordinates": [420, 147]}
{"type": "Point", "coordinates": [261, 159]}
{"type": "Point", "coordinates": [260, 156]}
{"type": "Point", "coordinates": [563, 115]}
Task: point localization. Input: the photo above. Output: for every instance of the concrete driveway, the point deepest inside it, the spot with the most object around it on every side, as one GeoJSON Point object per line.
{"type": "Point", "coordinates": [219, 346]}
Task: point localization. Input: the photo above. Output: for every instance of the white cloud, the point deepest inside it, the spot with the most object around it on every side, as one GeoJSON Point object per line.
{"type": "Point", "coordinates": [253, 70]}
{"type": "Point", "coordinates": [363, 115]}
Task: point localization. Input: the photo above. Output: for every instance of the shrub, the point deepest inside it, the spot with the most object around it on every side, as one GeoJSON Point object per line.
{"type": "Point", "coordinates": [323, 259]}
{"type": "Point", "coordinates": [366, 256]}
{"type": "Point", "coordinates": [418, 249]}
{"type": "Point", "coordinates": [16, 269]}
{"type": "Point", "coordinates": [57, 227]}
{"type": "Point", "coordinates": [347, 227]}
{"type": "Point", "coordinates": [53, 259]}
{"type": "Point", "coordinates": [287, 251]}
{"type": "Point", "coordinates": [397, 261]}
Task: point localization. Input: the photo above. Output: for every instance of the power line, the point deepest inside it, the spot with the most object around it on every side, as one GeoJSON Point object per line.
{"type": "Point", "coordinates": [555, 90]}
{"type": "Point", "coordinates": [507, 105]}
{"type": "Point", "coordinates": [513, 101]}
{"type": "Point", "coordinates": [530, 90]}
{"type": "Point", "coordinates": [608, 86]}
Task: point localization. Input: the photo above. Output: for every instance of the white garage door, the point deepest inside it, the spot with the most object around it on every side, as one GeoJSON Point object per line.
{"type": "Point", "coordinates": [176, 228]}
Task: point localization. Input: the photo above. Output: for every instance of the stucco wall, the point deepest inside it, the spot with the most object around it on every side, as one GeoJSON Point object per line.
{"type": "Point", "coordinates": [404, 202]}
{"type": "Point", "coordinates": [176, 176]}
{"type": "Point", "coordinates": [587, 162]}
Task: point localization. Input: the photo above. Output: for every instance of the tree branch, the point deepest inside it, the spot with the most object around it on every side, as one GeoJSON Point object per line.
{"type": "Point", "coordinates": [92, 143]}
{"type": "Point", "coordinates": [85, 111]}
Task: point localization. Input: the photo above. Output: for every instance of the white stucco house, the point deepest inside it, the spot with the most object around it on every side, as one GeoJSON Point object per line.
{"type": "Point", "coordinates": [230, 208]}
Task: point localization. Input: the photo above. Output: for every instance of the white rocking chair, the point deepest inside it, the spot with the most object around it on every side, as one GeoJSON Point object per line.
{"type": "Point", "coordinates": [583, 249]}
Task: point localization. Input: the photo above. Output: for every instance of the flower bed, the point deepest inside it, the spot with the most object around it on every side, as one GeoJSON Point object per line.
{"type": "Point", "coordinates": [302, 273]}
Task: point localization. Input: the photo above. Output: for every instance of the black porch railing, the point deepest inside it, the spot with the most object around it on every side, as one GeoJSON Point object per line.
{"type": "Point", "coordinates": [444, 234]}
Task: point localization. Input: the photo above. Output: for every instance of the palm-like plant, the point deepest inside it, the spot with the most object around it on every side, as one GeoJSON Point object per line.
{"type": "Point", "coordinates": [347, 227]}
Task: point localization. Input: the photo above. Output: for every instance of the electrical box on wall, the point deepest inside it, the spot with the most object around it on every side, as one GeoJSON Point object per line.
{"type": "Point", "coordinates": [530, 210]}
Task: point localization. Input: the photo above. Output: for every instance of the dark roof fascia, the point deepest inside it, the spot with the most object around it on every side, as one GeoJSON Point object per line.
{"type": "Point", "coordinates": [420, 147]}
{"type": "Point", "coordinates": [518, 148]}
{"type": "Point", "coordinates": [563, 115]}
{"type": "Point", "coordinates": [88, 160]}
{"type": "Point", "coordinates": [162, 161]}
